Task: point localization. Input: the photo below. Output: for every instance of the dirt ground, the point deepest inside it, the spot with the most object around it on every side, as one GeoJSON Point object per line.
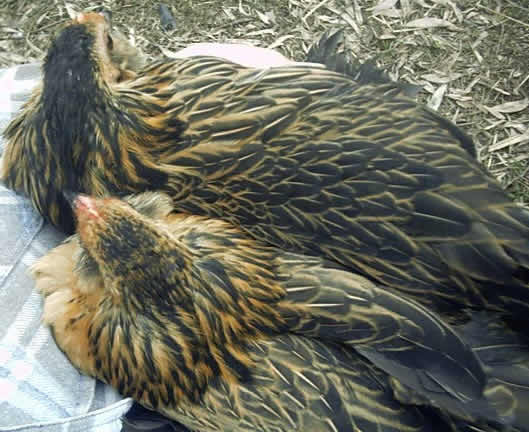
{"type": "Point", "coordinates": [470, 56]}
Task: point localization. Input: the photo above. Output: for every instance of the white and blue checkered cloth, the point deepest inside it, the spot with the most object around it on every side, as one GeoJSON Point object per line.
{"type": "Point", "coordinates": [39, 389]}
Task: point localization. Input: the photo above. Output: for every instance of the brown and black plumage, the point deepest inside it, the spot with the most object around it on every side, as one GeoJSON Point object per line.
{"type": "Point", "coordinates": [302, 158]}
{"type": "Point", "coordinates": [195, 319]}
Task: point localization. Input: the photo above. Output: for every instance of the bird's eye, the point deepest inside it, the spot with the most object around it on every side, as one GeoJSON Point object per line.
{"type": "Point", "coordinates": [110, 42]}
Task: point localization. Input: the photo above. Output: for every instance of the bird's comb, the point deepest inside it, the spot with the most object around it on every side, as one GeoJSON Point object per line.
{"type": "Point", "coordinates": [86, 206]}
{"type": "Point", "coordinates": [90, 17]}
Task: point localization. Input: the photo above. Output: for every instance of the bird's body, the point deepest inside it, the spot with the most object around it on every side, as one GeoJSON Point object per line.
{"type": "Point", "coordinates": [302, 158]}
{"type": "Point", "coordinates": [194, 319]}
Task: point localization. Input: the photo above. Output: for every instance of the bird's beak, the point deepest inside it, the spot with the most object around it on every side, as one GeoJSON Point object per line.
{"type": "Point", "coordinates": [81, 203]}
{"type": "Point", "coordinates": [107, 14]}
{"type": "Point", "coordinates": [87, 205]}
{"type": "Point", "coordinates": [70, 197]}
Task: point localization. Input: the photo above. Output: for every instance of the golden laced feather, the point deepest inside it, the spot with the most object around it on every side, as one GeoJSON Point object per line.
{"type": "Point", "coordinates": [195, 319]}
{"type": "Point", "coordinates": [302, 158]}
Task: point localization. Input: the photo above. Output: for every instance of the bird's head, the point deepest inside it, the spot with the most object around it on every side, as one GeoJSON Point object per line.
{"type": "Point", "coordinates": [112, 221]}
{"type": "Point", "coordinates": [82, 51]}
{"type": "Point", "coordinates": [105, 222]}
{"type": "Point", "coordinates": [127, 243]}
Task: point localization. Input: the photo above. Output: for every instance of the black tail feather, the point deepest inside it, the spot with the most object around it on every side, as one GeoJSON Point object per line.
{"type": "Point", "coordinates": [505, 357]}
{"type": "Point", "coordinates": [327, 51]}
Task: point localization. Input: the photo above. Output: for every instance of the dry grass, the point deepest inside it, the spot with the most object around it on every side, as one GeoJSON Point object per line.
{"type": "Point", "coordinates": [471, 56]}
